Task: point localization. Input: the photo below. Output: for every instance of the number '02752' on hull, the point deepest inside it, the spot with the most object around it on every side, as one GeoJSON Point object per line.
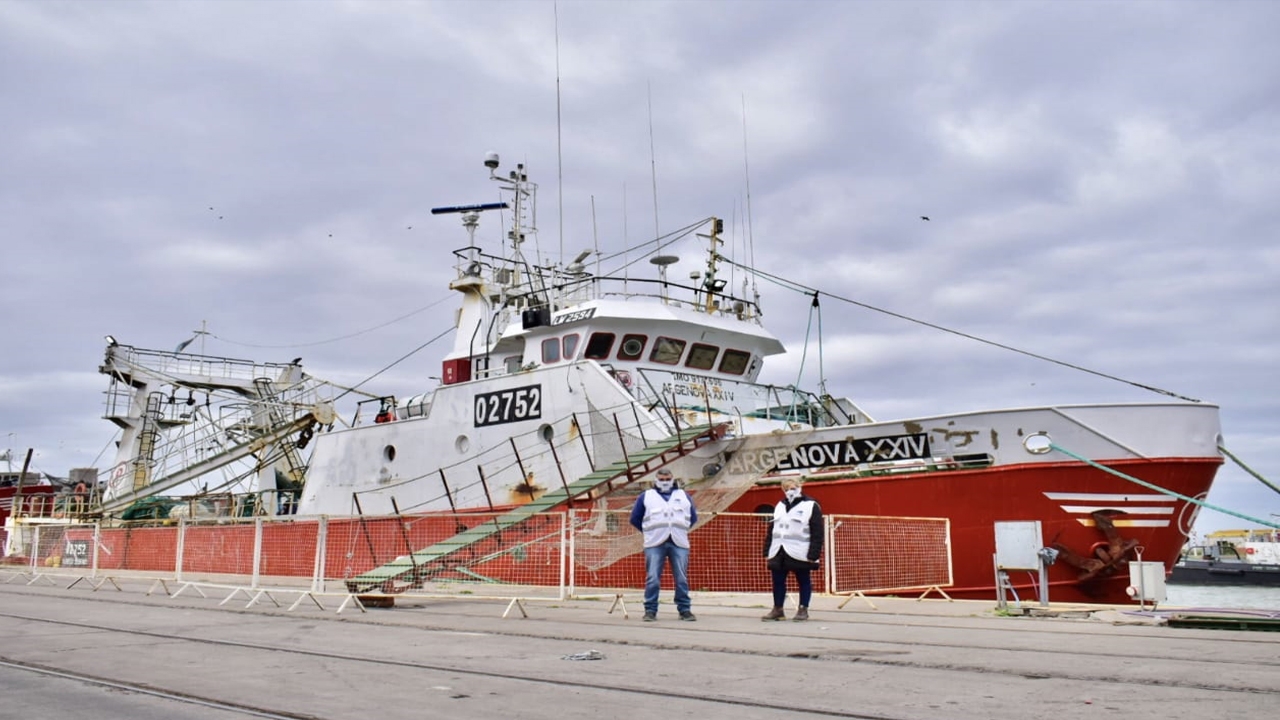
{"type": "Point", "coordinates": [506, 406]}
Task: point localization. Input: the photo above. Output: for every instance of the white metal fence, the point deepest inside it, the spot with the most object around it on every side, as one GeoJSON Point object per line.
{"type": "Point", "coordinates": [552, 555]}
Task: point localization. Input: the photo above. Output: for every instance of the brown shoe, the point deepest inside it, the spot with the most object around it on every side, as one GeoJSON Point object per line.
{"type": "Point", "coordinates": [801, 614]}
{"type": "Point", "coordinates": [775, 614]}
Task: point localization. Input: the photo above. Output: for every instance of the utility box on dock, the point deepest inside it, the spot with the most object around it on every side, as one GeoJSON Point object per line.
{"type": "Point", "coordinates": [1018, 544]}
{"type": "Point", "coordinates": [1146, 582]}
{"type": "Point", "coordinates": [1018, 547]}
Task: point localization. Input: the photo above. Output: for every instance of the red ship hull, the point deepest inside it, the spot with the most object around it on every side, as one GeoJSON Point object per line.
{"type": "Point", "coordinates": [1057, 495]}
{"type": "Point", "coordinates": [727, 551]}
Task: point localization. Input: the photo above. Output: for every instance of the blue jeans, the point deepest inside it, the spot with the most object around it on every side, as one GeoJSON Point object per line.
{"type": "Point", "coordinates": [654, 557]}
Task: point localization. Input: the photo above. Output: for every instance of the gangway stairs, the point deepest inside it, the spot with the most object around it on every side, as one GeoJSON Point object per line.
{"type": "Point", "coordinates": [408, 571]}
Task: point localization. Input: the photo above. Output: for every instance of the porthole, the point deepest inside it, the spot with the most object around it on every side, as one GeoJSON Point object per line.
{"type": "Point", "coordinates": [462, 444]}
{"type": "Point", "coordinates": [547, 433]}
{"type": "Point", "coordinates": [1037, 443]}
{"type": "Point", "coordinates": [389, 453]}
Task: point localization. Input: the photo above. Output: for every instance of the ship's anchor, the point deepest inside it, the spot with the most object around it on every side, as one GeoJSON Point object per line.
{"type": "Point", "coordinates": [1107, 557]}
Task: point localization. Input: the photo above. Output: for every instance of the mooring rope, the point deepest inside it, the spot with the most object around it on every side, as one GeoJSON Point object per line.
{"type": "Point", "coordinates": [1166, 491]}
{"type": "Point", "coordinates": [1248, 469]}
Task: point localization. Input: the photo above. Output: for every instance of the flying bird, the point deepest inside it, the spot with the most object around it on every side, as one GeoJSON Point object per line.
{"type": "Point", "coordinates": [925, 218]}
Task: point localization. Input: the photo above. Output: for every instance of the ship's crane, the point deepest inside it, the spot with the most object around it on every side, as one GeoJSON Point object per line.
{"type": "Point", "coordinates": [246, 411]}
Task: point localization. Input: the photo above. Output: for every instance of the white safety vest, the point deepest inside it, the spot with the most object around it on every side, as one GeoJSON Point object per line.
{"type": "Point", "coordinates": [791, 529]}
{"type": "Point", "coordinates": [666, 518]}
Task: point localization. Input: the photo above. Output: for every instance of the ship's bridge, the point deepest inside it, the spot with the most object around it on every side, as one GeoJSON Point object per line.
{"type": "Point", "coordinates": [630, 335]}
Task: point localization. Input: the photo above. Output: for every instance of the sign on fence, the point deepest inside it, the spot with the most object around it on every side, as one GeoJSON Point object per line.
{"type": "Point", "coordinates": [75, 553]}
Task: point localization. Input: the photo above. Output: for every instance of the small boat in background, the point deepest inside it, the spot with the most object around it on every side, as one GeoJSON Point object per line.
{"type": "Point", "coordinates": [1237, 557]}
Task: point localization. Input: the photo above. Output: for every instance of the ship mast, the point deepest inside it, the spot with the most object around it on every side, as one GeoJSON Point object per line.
{"type": "Point", "coordinates": [486, 295]}
{"type": "Point", "coordinates": [710, 282]}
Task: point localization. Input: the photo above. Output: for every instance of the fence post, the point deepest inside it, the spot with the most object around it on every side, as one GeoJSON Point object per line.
{"type": "Point", "coordinates": [828, 549]}
{"type": "Point", "coordinates": [97, 543]}
{"type": "Point", "coordinates": [181, 548]}
{"type": "Point", "coordinates": [569, 551]}
{"type": "Point", "coordinates": [564, 540]}
{"type": "Point", "coordinates": [257, 551]}
{"type": "Point", "coordinates": [322, 542]}
{"type": "Point", "coordinates": [35, 545]}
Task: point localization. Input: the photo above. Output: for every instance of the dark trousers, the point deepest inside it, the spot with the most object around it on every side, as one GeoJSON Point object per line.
{"type": "Point", "coordinates": [780, 585]}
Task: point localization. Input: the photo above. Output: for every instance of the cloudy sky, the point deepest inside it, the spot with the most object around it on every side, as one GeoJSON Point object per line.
{"type": "Point", "coordinates": [1100, 177]}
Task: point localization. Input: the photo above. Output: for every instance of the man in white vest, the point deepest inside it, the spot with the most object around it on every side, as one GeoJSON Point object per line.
{"type": "Point", "coordinates": [665, 514]}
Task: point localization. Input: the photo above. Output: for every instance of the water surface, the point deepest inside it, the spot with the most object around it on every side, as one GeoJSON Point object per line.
{"type": "Point", "coordinates": [1209, 596]}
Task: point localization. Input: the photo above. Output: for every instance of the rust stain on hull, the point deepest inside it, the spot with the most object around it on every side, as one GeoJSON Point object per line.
{"type": "Point", "coordinates": [525, 492]}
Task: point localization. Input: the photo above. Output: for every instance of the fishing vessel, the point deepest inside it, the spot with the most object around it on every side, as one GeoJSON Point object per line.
{"type": "Point", "coordinates": [564, 377]}
{"type": "Point", "coordinates": [22, 492]}
{"type": "Point", "coordinates": [1237, 558]}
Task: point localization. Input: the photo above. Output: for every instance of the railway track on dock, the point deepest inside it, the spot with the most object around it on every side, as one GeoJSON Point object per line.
{"type": "Point", "coordinates": [444, 660]}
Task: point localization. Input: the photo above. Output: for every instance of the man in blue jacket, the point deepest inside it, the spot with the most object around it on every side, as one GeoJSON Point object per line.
{"type": "Point", "coordinates": [665, 514]}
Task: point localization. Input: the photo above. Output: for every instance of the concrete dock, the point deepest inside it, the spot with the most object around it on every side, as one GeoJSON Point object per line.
{"type": "Point", "coordinates": [127, 648]}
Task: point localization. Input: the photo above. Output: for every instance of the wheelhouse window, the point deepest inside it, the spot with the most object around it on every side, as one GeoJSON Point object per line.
{"type": "Point", "coordinates": [632, 347]}
{"type": "Point", "coordinates": [702, 357]}
{"type": "Point", "coordinates": [734, 362]}
{"type": "Point", "coordinates": [667, 350]}
{"type": "Point", "coordinates": [569, 346]}
{"type": "Point", "coordinates": [551, 350]}
{"type": "Point", "coordinates": [599, 346]}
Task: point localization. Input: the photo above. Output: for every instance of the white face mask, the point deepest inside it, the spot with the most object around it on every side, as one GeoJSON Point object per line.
{"type": "Point", "coordinates": [665, 485]}
{"type": "Point", "coordinates": [792, 493]}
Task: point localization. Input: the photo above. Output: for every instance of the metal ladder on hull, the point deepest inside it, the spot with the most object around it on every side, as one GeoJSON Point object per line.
{"type": "Point", "coordinates": [411, 570]}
